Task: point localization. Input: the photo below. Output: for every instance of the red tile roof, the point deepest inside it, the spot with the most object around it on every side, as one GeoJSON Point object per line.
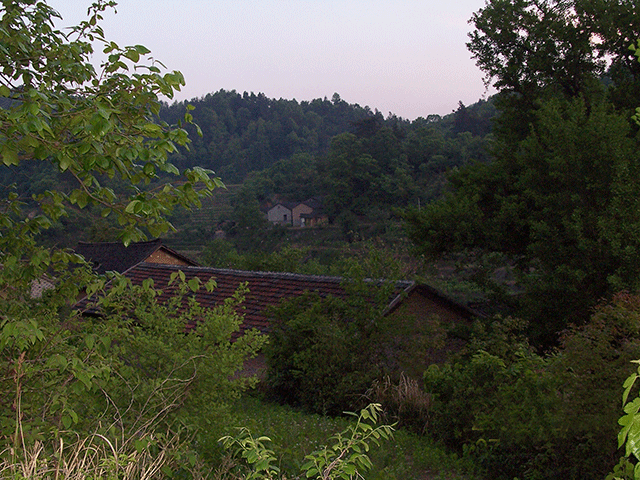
{"type": "Point", "coordinates": [265, 288]}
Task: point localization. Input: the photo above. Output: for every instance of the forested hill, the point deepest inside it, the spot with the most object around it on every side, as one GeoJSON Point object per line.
{"type": "Point", "coordinates": [242, 133]}
{"type": "Point", "coordinates": [359, 161]}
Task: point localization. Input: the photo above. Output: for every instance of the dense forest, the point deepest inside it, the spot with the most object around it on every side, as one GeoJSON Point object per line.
{"type": "Point", "coordinates": [363, 165]}
{"type": "Point", "coordinates": [250, 133]}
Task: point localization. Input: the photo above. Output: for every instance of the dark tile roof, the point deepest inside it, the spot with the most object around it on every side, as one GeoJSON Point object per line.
{"type": "Point", "coordinates": [287, 205]}
{"type": "Point", "coordinates": [313, 202]}
{"type": "Point", "coordinates": [265, 288]}
{"type": "Point", "coordinates": [115, 257]}
{"type": "Point", "coordinates": [428, 291]}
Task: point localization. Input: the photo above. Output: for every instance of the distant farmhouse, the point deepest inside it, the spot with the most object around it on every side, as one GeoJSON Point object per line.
{"type": "Point", "coordinates": [298, 214]}
{"type": "Point", "coordinates": [115, 257]}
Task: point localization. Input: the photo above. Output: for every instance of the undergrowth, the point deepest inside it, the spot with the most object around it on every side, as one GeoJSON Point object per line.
{"type": "Point", "coordinates": [295, 434]}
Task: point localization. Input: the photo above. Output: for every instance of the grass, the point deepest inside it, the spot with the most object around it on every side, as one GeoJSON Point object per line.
{"type": "Point", "coordinates": [295, 434]}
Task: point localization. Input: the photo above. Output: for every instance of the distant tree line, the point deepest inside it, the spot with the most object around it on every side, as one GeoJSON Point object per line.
{"type": "Point", "coordinates": [378, 164]}
{"type": "Point", "coordinates": [360, 162]}
{"type": "Point", "coordinates": [243, 133]}
{"type": "Point", "coordinates": [247, 132]}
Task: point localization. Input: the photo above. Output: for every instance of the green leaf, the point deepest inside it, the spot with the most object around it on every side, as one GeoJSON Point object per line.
{"type": "Point", "coordinates": [66, 421]}
{"type": "Point", "coordinates": [9, 157]}
{"type": "Point", "coordinates": [194, 284]}
{"type": "Point", "coordinates": [133, 206]}
{"type": "Point", "coordinates": [132, 55]}
{"type": "Point", "coordinates": [142, 50]}
{"type": "Point", "coordinates": [64, 163]}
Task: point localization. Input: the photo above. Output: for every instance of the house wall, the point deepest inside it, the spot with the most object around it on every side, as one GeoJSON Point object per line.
{"type": "Point", "coordinates": [165, 258]}
{"type": "Point", "coordinates": [280, 214]}
{"type": "Point", "coordinates": [419, 336]}
{"type": "Point", "coordinates": [38, 287]}
{"type": "Point", "coordinates": [299, 210]}
{"type": "Point", "coordinates": [316, 221]}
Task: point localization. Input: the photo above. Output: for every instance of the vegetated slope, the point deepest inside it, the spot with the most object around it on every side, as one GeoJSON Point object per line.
{"type": "Point", "coordinates": [293, 150]}
{"type": "Point", "coordinates": [249, 132]}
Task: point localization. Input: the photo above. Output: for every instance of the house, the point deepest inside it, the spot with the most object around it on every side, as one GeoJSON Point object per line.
{"type": "Point", "coordinates": [422, 316]}
{"type": "Point", "coordinates": [281, 214]}
{"type": "Point", "coordinates": [427, 321]}
{"type": "Point", "coordinates": [297, 214]}
{"type": "Point", "coordinates": [309, 214]}
{"type": "Point", "coordinates": [38, 287]}
{"type": "Point", "coordinates": [265, 288]}
{"type": "Point", "coordinates": [114, 256]}
{"type": "Point", "coordinates": [419, 313]}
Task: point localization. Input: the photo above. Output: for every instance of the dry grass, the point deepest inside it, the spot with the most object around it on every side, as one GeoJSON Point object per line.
{"type": "Point", "coordinates": [404, 400]}
{"type": "Point", "coordinates": [98, 457]}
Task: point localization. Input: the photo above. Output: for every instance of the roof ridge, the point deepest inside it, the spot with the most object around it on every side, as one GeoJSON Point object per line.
{"type": "Point", "coordinates": [244, 272]}
{"type": "Point", "coordinates": [271, 274]}
{"type": "Point", "coordinates": [154, 240]}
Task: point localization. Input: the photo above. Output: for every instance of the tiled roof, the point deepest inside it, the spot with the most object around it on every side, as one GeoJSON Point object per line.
{"type": "Point", "coordinates": [314, 203]}
{"type": "Point", "coordinates": [265, 288]}
{"type": "Point", "coordinates": [114, 256]}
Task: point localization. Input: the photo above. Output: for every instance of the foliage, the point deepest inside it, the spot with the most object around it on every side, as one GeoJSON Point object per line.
{"type": "Point", "coordinates": [296, 433]}
{"type": "Point", "coordinates": [503, 404]}
{"type": "Point", "coordinates": [364, 259]}
{"type": "Point", "coordinates": [558, 198]}
{"type": "Point", "coordinates": [90, 124]}
{"type": "Point", "coordinates": [199, 370]}
{"type": "Point", "coordinates": [558, 44]}
{"type": "Point", "coordinates": [404, 400]}
{"type": "Point", "coordinates": [325, 352]}
{"type": "Point", "coordinates": [313, 358]}
{"type": "Point", "coordinates": [250, 132]}
{"type": "Point", "coordinates": [628, 467]}
{"type": "Point", "coordinates": [345, 458]}
{"type": "Point", "coordinates": [132, 373]}
{"type": "Point", "coordinates": [150, 455]}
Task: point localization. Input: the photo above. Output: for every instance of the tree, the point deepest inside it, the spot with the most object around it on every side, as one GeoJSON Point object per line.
{"type": "Point", "coordinates": [92, 126]}
{"type": "Point", "coordinates": [559, 197]}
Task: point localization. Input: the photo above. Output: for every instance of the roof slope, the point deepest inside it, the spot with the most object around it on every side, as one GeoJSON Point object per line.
{"type": "Point", "coordinates": [114, 256]}
{"type": "Point", "coordinates": [265, 288]}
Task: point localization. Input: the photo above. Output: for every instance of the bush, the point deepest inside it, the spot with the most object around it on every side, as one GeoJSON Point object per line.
{"type": "Point", "coordinates": [345, 458]}
{"type": "Point", "coordinates": [319, 355]}
{"type": "Point", "coordinates": [519, 413]}
{"type": "Point", "coordinates": [324, 353]}
{"type": "Point", "coordinates": [404, 401]}
{"type": "Point", "coordinates": [130, 373]}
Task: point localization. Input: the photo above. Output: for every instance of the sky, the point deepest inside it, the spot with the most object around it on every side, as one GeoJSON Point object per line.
{"type": "Point", "coordinates": [401, 57]}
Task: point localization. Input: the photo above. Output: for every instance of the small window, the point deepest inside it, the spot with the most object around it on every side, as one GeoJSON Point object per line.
{"type": "Point", "coordinates": [285, 217]}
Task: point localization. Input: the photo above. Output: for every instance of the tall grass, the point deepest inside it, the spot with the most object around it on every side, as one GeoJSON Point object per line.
{"type": "Point", "coordinates": [96, 456]}
{"type": "Point", "coordinates": [295, 434]}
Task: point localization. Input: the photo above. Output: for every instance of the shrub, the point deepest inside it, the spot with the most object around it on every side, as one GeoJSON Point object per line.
{"type": "Point", "coordinates": [324, 353]}
{"type": "Point", "coordinates": [519, 413]}
{"type": "Point", "coordinates": [404, 401]}
{"type": "Point", "coordinates": [345, 458]}
{"type": "Point", "coordinates": [129, 373]}
{"type": "Point", "coordinates": [319, 356]}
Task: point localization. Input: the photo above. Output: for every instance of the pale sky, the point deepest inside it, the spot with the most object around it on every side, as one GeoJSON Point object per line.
{"type": "Point", "coordinates": [406, 57]}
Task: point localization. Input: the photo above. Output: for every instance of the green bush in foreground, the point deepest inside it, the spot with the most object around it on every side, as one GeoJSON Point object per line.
{"type": "Point", "coordinates": [345, 458]}
{"type": "Point", "coordinates": [518, 413]}
{"type": "Point", "coordinates": [628, 468]}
